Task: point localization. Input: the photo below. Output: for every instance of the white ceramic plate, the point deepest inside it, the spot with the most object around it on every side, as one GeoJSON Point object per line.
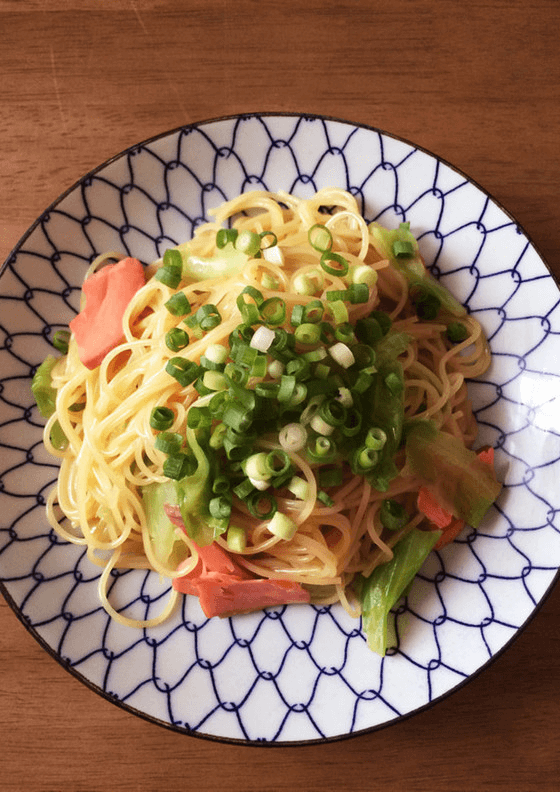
{"type": "Point", "coordinates": [297, 673]}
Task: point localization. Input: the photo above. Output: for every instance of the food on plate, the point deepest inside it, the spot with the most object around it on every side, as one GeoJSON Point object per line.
{"type": "Point", "coordinates": [274, 412]}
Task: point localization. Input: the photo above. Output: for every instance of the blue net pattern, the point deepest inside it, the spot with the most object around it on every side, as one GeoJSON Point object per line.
{"type": "Point", "coordinates": [289, 673]}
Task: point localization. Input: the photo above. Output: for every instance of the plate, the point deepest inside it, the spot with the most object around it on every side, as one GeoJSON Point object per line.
{"type": "Point", "coordinates": [294, 674]}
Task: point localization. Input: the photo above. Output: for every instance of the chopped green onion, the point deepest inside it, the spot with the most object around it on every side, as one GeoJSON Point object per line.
{"type": "Point", "coordinates": [296, 317]}
{"type": "Point", "coordinates": [220, 507]}
{"type": "Point", "coordinates": [352, 423]}
{"type": "Point", "coordinates": [161, 418]}
{"type": "Point", "coordinates": [299, 487]}
{"type": "Point", "coordinates": [307, 333]}
{"type": "Point", "coordinates": [321, 449]}
{"type": "Point", "coordinates": [273, 311]}
{"type": "Point", "coordinates": [221, 485]}
{"type": "Point", "coordinates": [269, 238]}
{"type": "Point", "coordinates": [256, 466]}
{"type": "Point", "coordinates": [334, 263]}
{"type": "Point", "coordinates": [250, 310]}
{"type": "Point", "coordinates": [364, 459]}
{"type": "Point", "coordinates": [217, 403]}
{"type": "Point", "coordinates": [183, 370]}
{"type": "Point", "coordinates": [342, 354]}
{"type": "Point", "coordinates": [394, 383]}
{"type": "Point", "coordinates": [248, 242]}
{"type": "Point", "coordinates": [177, 466]}
{"type": "Point", "coordinates": [292, 437]}
{"type": "Point", "coordinates": [267, 390]}
{"type": "Point", "coordinates": [286, 388]}
{"type": "Point", "coordinates": [314, 355]}
{"type": "Point", "coordinates": [425, 303]}
{"type": "Point", "coordinates": [345, 332]}
{"type": "Point", "coordinates": [319, 425]}
{"type": "Point", "coordinates": [325, 498]}
{"type": "Point", "coordinates": [199, 417]}
{"type": "Point", "coordinates": [237, 417]}
{"type": "Point", "coordinates": [322, 370]}
{"type": "Point", "coordinates": [457, 332]}
{"type": "Point", "coordinates": [267, 281]}
{"type": "Point", "coordinates": [178, 304]}
{"type": "Point", "coordinates": [201, 388]}
{"type": "Point", "coordinates": [176, 339]}
{"type": "Point", "coordinates": [368, 330]}
{"type": "Point", "coordinates": [344, 396]}
{"type": "Point", "coordinates": [402, 248]}
{"type": "Point", "coordinates": [313, 311]}
{"type": "Point", "coordinates": [278, 462]}
{"type": "Point", "coordinates": [214, 381]}
{"type": "Point", "coordinates": [236, 375]}
{"type": "Point", "coordinates": [299, 367]}
{"type": "Point", "coordinates": [358, 293]}
{"type": "Point", "coordinates": [225, 235]}
{"type": "Point", "coordinates": [217, 353]}
{"type": "Point", "coordinates": [363, 273]}
{"type": "Point", "coordinates": [320, 238]}
{"type": "Point", "coordinates": [393, 515]}
{"type": "Point", "coordinates": [363, 382]}
{"type": "Point", "coordinates": [236, 539]}
{"type": "Point", "coordinates": [60, 341]}
{"type": "Point", "coordinates": [339, 312]}
{"type": "Point", "coordinates": [168, 442]}
{"type": "Point", "coordinates": [282, 526]}
{"type": "Point", "coordinates": [375, 438]}
{"type": "Point", "coordinates": [259, 367]}
{"type": "Point", "coordinates": [276, 369]}
{"type": "Point", "coordinates": [303, 284]}
{"type": "Point", "coordinates": [171, 271]}
{"type": "Point", "coordinates": [261, 504]}
{"type": "Point", "coordinates": [244, 489]}
{"type": "Point", "coordinates": [333, 412]}
{"type": "Point", "coordinates": [208, 316]}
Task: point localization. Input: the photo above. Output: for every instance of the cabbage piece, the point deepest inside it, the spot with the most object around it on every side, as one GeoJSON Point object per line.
{"type": "Point", "coordinates": [459, 480]}
{"type": "Point", "coordinates": [388, 583]}
{"type": "Point", "coordinates": [224, 263]}
{"type": "Point", "coordinates": [193, 493]}
{"type": "Point", "coordinates": [162, 531]}
{"type": "Point", "coordinates": [412, 266]}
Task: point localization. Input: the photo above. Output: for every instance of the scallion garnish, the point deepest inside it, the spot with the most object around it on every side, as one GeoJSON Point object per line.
{"type": "Point", "coordinates": [282, 526]}
{"type": "Point", "coordinates": [183, 370]}
{"type": "Point", "coordinates": [393, 515]}
{"type": "Point", "coordinates": [161, 418]}
{"type": "Point", "coordinates": [224, 236]}
{"type": "Point", "coordinates": [178, 304]}
{"type": "Point", "coordinates": [60, 341]}
{"type": "Point", "coordinates": [320, 238]}
{"type": "Point", "coordinates": [168, 442]}
{"type": "Point", "coordinates": [177, 466]}
{"type": "Point", "coordinates": [334, 263]}
{"type": "Point", "coordinates": [248, 242]}
{"type": "Point", "coordinates": [176, 339]}
{"type": "Point", "coordinates": [261, 504]}
{"type": "Point", "coordinates": [307, 333]}
{"type": "Point", "coordinates": [457, 332]}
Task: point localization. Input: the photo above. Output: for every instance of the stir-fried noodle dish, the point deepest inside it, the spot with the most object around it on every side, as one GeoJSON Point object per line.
{"type": "Point", "coordinates": [274, 412]}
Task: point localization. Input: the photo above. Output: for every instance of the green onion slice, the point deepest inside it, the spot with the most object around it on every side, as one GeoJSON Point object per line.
{"type": "Point", "coordinates": [320, 238]}
{"type": "Point", "coordinates": [161, 418]}
{"type": "Point", "coordinates": [393, 515]}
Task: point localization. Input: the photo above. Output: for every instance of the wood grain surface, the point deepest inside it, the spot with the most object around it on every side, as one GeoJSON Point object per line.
{"type": "Point", "coordinates": [476, 82]}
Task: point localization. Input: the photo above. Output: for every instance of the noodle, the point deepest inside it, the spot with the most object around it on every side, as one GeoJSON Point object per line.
{"type": "Point", "coordinates": [110, 454]}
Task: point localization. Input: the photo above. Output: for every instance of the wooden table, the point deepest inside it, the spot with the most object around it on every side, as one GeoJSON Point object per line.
{"type": "Point", "coordinates": [478, 83]}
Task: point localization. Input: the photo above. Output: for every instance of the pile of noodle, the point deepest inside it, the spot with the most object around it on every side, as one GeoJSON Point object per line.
{"type": "Point", "coordinates": [110, 455]}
